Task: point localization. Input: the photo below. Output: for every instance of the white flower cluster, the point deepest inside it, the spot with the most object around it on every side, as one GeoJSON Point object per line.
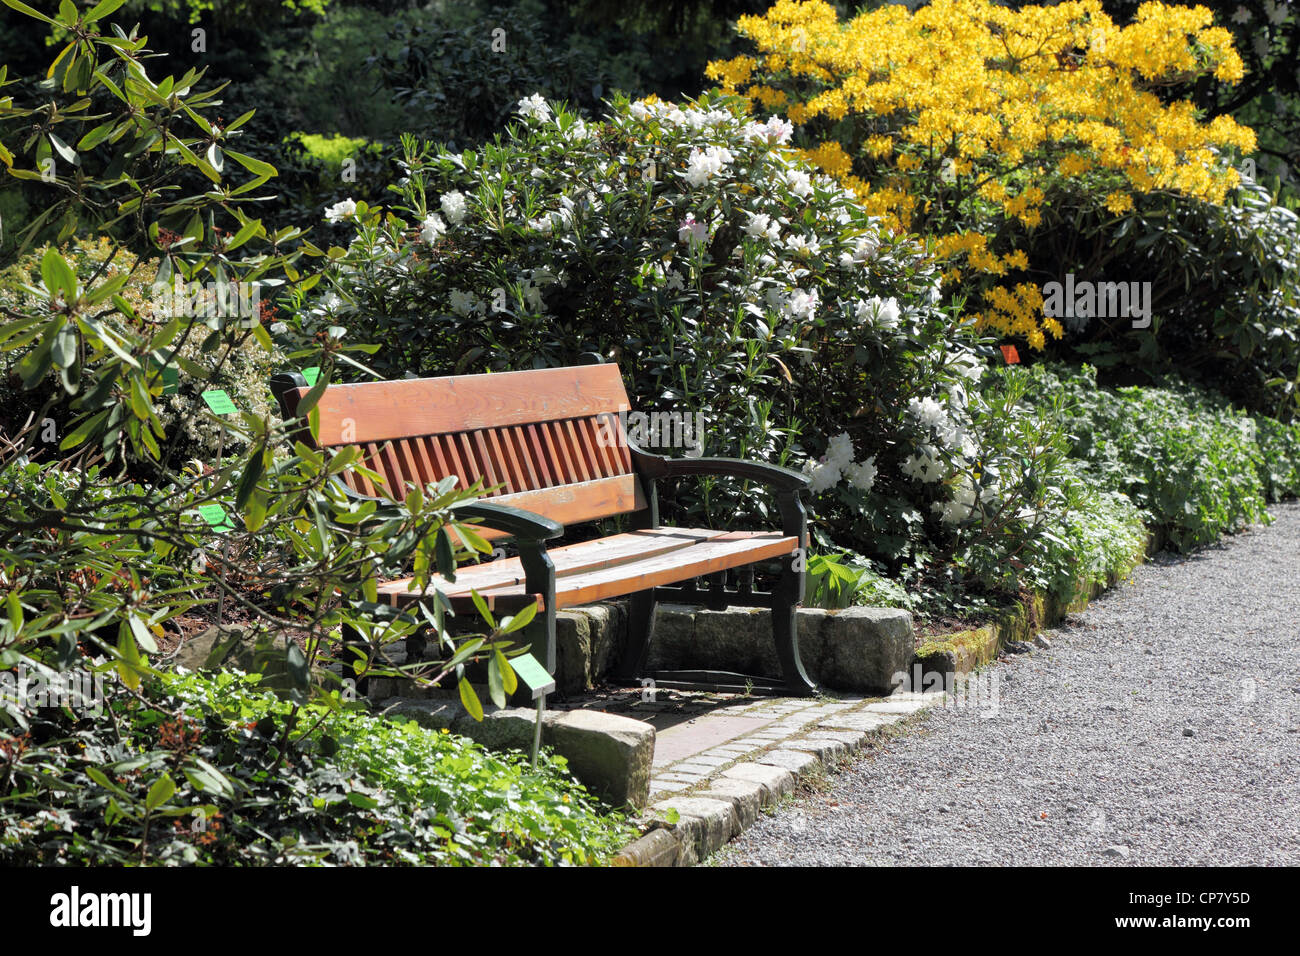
{"type": "Point", "coordinates": [466, 303]}
{"type": "Point", "coordinates": [454, 206]}
{"type": "Point", "coordinates": [838, 465]}
{"type": "Point", "coordinates": [798, 182]}
{"type": "Point", "coordinates": [965, 498]}
{"type": "Point", "coordinates": [931, 415]}
{"type": "Point", "coordinates": [561, 219]}
{"type": "Point", "coordinates": [863, 249]}
{"type": "Point", "coordinates": [691, 232]}
{"type": "Point", "coordinates": [803, 248]}
{"type": "Point", "coordinates": [534, 107]}
{"type": "Point", "coordinates": [704, 164]}
{"type": "Point", "coordinates": [762, 225]}
{"type": "Point", "coordinates": [881, 313]}
{"type": "Point", "coordinates": [691, 117]}
{"type": "Point", "coordinates": [432, 227]}
{"type": "Point", "coordinates": [776, 131]}
{"type": "Point", "coordinates": [926, 465]}
{"type": "Point", "coordinates": [340, 210]}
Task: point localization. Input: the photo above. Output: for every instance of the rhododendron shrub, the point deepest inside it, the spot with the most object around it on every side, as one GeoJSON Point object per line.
{"type": "Point", "coordinates": [980, 126]}
{"type": "Point", "coordinates": [726, 277]}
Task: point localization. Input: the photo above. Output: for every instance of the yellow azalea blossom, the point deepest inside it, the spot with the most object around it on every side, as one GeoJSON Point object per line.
{"type": "Point", "coordinates": [963, 102]}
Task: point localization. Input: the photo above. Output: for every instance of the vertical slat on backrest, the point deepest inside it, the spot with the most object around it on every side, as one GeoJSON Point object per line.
{"type": "Point", "coordinates": [537, 450]}
{"type": "Point", "coordinates": [579, 453]}
{"type": "Point", "coordinates": [558, 448]}
{"type": "Point", "coordinates": [516, 438]}
{"type": "Point", "coordinates": [523, 436]}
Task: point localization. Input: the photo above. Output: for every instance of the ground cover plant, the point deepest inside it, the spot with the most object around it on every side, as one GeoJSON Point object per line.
{"type": "Point", "coordinates": [214, 770]}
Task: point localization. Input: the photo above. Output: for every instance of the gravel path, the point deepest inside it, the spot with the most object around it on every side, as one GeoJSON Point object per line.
{"type": "Point", "coordinates": [1161, 727]}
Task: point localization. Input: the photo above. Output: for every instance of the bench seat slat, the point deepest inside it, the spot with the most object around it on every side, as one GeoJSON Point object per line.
{"type": "Point", "coordinates": [615, 566]}
{"type": "Point", "coordinates": [570, 558]}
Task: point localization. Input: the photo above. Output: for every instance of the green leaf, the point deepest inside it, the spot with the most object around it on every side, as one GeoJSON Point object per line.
{"type": "Point", "coordinates": [469, 700]}
{"type": "Point", "coordinates": [250, 229]}
{"type": "Point", "coordinates": [508, 679]}
{"type": "Point", "coordinates": [58, 275]}
{"type": "Point", "coordinates": [483, 609]}
{"type": "Point", "coordinates": [444, 556]}
{"type": "Point", "coordinates": [102, 9]}
{"type": "Point", "coordinates": [142, 636]}
{"type": "Point", "coordinates": [96, 135]}
{"type": "Point", "coordinates": [255, 166]}
{"type": "Point", "coordinates": [496, 686]}
{"type": "Point", "coordinates": [520, 620]}
{"type": "Point", "coordinates": [248, 480]}
{"type": "Point", "coordinates": [308, 401]}
{"type": "Point", "coordinates": [160, 792]}
{"type": "Point", "coordinates": [63, 149]}
{"type": "Point", "coordinates": [129, 665]}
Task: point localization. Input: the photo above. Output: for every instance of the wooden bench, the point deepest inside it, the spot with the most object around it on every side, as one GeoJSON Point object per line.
{"type": "Point", "coordinates": [550, 450]}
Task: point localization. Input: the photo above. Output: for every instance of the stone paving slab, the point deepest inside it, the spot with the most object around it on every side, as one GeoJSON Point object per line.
{"type": "Point", "coordinates": [720, 767]}
{"type": "Point", "coordinates": [693, 736]}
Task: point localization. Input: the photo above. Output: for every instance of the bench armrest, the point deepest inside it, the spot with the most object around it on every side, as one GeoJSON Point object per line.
{"type": "Point", "coordinates": [774, 476]}
{"type": "Point", "coordinates": [515, 522]}
{"type": "Point", "coordinates": [787, 486]}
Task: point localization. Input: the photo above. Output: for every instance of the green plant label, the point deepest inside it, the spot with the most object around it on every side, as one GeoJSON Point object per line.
{"type": "Point", "coordinates": [219, 401]}
{"type": "Point", "coordinates": [311, 374]}
{"type": "Point", "coordinates": [532, 675]}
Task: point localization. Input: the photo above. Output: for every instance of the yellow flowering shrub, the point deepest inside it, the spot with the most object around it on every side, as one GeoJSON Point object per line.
{"type": "Point", "coordinates": [962, 119]}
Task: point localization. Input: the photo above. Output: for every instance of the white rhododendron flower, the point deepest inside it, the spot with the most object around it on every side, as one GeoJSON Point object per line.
{"type": "Point", "coordinates": [340, 210]}
{"type": "Point", "coordinates": [432, 227]}
{"type": "Point", "coordinates": [775, 130]}
{"type": "Point", "coordinates": [838, 464]}
{"type": "Point", "coordinates": [465, 303]}
{"type": "Point", "coordinates": [453, 207]}
{"type": "Point", "coordinates": [803, 248]}
{"type": "Point", "coordinates": [967, 364]}
{"type": "Point", "coordinates": [704, 164]}
{"type": "Point", "coordinates": [839, 450]}
{"type": "Point", "coordinates": [882, 313]}
{"type": "Point", "coordinates": [761, 224]}
{"type": "Point", "coordinates": [821, 477]}
{"type": "Point", "coordinates": [863, 249]}
{"type": "Point", "coordinates": [862, 474]}
{"type": "Point", "coordinates": [534, 107]}
{"type": "Point", "coordinates": [690, 231]}
{"type": "Point", "coordinates": [799, 183]}
{"type": "Point", "coordinates": [801, 304]}
{"type": "Point", "coordinates": [928, 412]}
{"type": "Point", "coordinates": [925, 465]}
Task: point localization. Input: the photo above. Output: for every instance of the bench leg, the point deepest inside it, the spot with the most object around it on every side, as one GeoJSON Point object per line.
{"type": "Point", "coordinates": [640, 625]}
{"type": "Point", "coordinates": [785, 630]}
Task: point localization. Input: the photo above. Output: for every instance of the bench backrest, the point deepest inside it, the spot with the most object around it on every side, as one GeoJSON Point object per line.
{"type": "Point", "coordinates": [547, 441]}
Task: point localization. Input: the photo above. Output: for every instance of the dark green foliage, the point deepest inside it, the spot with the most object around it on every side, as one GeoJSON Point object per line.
{"type": "Point", "coordinates": [210, 770]}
